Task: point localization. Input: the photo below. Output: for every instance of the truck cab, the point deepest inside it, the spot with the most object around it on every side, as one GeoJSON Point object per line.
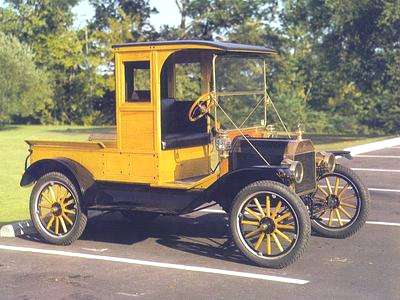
{"type": "Point", "coordinates": [154, 141]}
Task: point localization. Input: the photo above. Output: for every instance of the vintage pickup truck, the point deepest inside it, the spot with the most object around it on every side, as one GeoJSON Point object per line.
{"type": "Point", "coordinates": [192, 129]}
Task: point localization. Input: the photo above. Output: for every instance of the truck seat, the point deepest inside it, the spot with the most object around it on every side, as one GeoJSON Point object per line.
{"type": "Point", "coordinates": [176, 129]}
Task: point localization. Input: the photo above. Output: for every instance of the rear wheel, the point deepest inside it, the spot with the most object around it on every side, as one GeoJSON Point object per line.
{"type": "Point", "coordinates": [340, 204]}
{"type": "Point", "coordinates": [270, 224]}
{"type": "Point", "coordinates": [56, 211]}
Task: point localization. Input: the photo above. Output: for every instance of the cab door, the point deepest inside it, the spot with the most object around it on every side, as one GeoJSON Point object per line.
{"type": "Point", "coordinates": [136, 115]}
{"type": "Point", "coordinates": [186, 151]}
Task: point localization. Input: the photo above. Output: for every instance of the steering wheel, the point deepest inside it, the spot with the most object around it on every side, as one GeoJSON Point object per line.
{"type": "Point", "coordinates": [201, 107]}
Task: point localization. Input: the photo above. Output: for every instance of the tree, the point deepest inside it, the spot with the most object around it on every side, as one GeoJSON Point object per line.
{"type": "Point", "coordinates": [24, 89]}
{"type": "Point", "coordinates": [337, 70]}
{"type": "Point", "coordinates": [204, 19]}
{"type": "Point", "coordinates": [117, 21]}
{"type": "Point", "coordinates": [33, 21]}
{"type": "Point", "coordinates": [114, 22]}
{"type": "Point", "coordinates": [46, 26]}
{"type": "Point", "coordinates": [353, 48]}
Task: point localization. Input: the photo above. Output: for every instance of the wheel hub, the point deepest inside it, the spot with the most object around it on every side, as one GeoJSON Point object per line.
{"type": "Point", "coordinates": [268, 225]}
{"type": "Point", "coordinates": [333, 201]}
{"type": "Point", "coordinates": [56, 209]}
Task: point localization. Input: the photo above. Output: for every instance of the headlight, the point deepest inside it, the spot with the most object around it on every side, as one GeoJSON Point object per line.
{"type": "Point", "coordinates": [295, 168]}
{"type": "Point", "coordinates": [223, 144]}
{"type": "Point", "coordinates": [325, 160]}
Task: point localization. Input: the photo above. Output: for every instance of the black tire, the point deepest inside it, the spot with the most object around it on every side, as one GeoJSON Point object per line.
{"type": "Point", "coordinates": [361, 211]}
{"type": "Point", "coordinates": [139, 217]}
{"type": "Point", "coordinates": [292, 202]}
{"type": "Point", "coordinates": [74, 230]}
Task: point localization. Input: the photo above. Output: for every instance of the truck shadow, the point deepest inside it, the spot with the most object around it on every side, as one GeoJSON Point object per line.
{"type": "Point", "coordinates": [206, 235]}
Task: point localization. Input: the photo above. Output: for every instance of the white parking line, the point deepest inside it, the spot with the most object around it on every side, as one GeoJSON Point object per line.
{"type": "Point", "coordinates": [374, 189]}
{"type": "Point", "coordinates": [214, 211]}
{"type": "Point", "coordinates": [370, 222]}
{"type": "Point", "coordinates": [383, 223]}
{"type": "Point", "coordinates": [218, 211]}
{"type": "Point", "coordinates": [384, 190]}
{"type": "Point", "coordinates": [376, 170]}
{"type": "Point", "coordinates": [377, 156]}
{"type": "Point", "coordinates": [156, 264]}
{"type": "Point", "coordinates": [374, 146]}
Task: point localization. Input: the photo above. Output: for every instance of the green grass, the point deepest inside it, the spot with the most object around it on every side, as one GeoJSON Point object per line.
{"type": "Point", "coordinates": [13, 150]}
{"type": "Point", "coordinates": [329, 142]}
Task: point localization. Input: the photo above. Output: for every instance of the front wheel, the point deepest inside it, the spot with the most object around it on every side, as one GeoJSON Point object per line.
{"type": "Point", "coordinates": [340, 204]}
{"type": "Point", "coordinates": [270, 224]}
{"type": "Point", "coordinates": [56, 211]}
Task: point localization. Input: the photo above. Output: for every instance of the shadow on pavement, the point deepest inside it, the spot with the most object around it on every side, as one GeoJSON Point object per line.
{"type": "Point", "coordinates": [113, 228]}
{"type": "Point", "coordinates": [205, 235]}
{"type": "Point", "coordinates": [209, 248]}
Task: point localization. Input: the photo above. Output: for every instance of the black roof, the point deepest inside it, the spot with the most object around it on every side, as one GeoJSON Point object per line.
{"type": "Point", "coordinates": [225, 46]}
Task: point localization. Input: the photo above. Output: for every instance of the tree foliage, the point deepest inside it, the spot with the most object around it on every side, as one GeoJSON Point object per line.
{"type": "Point", "coordinates": [353, 51]}
{"type": "Point", "coordinates": [24, 89]}
{"type": "Point", "coordinates": [338, 68]}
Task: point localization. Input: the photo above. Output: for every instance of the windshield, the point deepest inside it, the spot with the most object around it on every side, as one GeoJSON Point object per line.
{"type": "Point", "coordinates": [239, 87]}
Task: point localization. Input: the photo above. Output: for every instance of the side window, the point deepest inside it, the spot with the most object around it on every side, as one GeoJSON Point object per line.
{"type": "Point", "coordinates": [137, 81]}
{"type": "Point", "coordinates": [187, 81]}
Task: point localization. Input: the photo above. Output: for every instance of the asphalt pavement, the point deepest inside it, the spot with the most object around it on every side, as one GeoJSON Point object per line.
{"type": "Point", "coordinates": [188, 257]}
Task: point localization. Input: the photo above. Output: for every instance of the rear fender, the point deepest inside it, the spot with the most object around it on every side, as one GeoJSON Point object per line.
{"type": "Point", "coordinates": [224, 190]}
{"type": "Point", "coordinates": [73, 170]}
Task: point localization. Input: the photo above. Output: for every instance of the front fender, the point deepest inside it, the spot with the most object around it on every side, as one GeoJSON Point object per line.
{"type": "Point", "coordinates": [75, 171]}
{"type": "Point", "coordinates": [228, 186]}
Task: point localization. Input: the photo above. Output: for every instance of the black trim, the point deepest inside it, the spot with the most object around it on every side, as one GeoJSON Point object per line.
{"type": "Point", "coordinates": [184, 140]}
{"type": "Point", "coordinates": [101, 195]}
{"type": "Point", "coordinates": [251, 174]}
{"type": "Point", "coordinates": [225, 46]}
{"type": "Point", "coordinates": [345, 154]}
{"type": "Point", "coordinates": [27, 159]}
{"type": "Point", "coordinates": [122, 196]}
{"type": "Point", "coordinates": [243, 156]}
{"type": "Point", "coordinates": [225, 189]}
{"type": "Point", "coordinates": [68, 167]}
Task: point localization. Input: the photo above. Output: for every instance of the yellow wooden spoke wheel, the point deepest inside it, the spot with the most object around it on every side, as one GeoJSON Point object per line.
{"type": "Point", "coordinates": [56, 210]}
{"type": "Point", "coordinates": [270, 224]}
{"type": "Point", "coordinates": [340, 203]}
